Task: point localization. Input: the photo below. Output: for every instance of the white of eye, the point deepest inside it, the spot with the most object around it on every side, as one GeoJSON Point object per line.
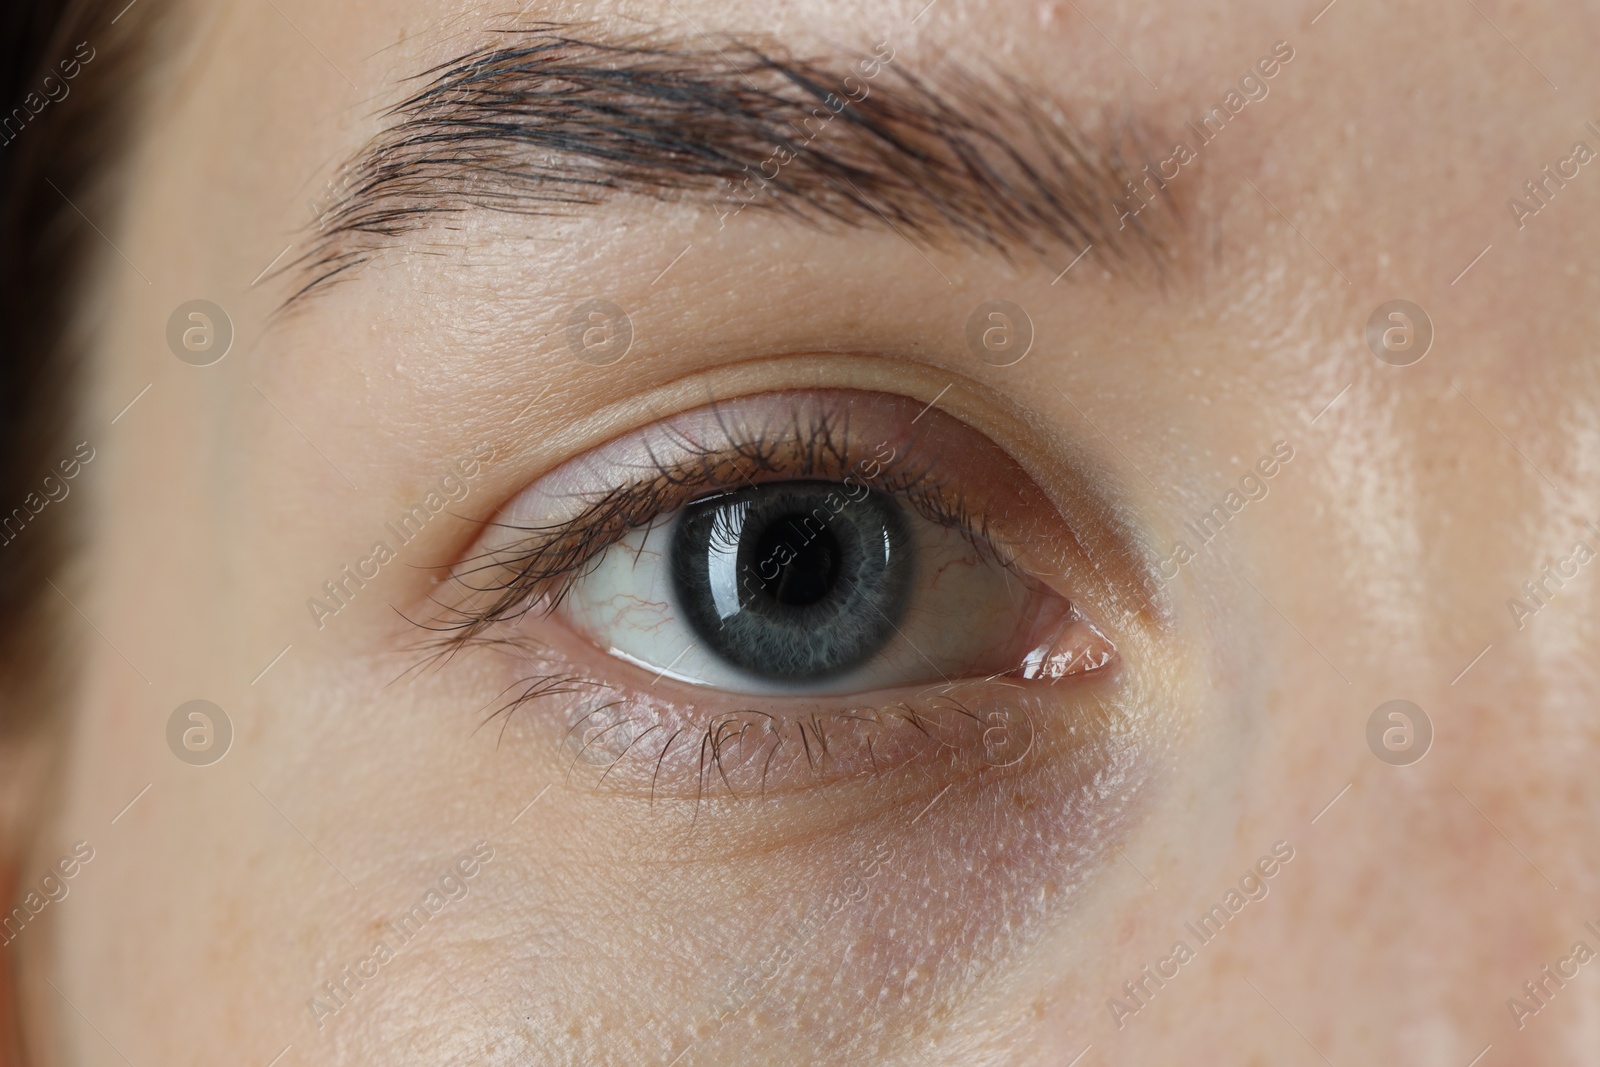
{"type": "Point", "coordinates": [967, 615]}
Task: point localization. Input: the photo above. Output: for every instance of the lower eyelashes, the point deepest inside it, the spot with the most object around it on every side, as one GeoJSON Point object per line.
{"type": "Point", "coordinates": [656, 745]}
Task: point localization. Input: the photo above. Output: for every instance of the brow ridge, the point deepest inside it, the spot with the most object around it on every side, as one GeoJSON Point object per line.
{"type": "Point", "coordinates": [557, 123]}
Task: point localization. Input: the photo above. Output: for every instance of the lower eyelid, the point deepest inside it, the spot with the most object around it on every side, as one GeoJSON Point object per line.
{"type": "Point", "coordinates": [650, 739]}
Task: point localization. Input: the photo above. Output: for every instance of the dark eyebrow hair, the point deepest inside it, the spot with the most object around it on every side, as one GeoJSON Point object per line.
{"type": "Point", "coordinates": [550, 123]}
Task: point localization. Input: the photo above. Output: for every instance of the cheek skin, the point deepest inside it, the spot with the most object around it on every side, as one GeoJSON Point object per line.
{"type": "Point", "coordinates": [756, 920]}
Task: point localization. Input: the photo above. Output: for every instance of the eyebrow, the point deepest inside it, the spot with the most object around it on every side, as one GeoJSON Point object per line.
{"type": "Point", "coordinates": [551, 123]}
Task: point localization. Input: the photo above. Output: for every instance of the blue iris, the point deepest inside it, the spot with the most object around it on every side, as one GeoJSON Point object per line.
{"type": "Point", "coordinates": [798, 580]}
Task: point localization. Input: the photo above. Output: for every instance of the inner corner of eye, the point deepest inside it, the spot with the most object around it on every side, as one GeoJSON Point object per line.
{"type": "Point", "coordinates": [816, 585]}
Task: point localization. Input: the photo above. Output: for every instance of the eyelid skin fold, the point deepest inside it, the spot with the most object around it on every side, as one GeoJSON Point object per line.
{"type": "Point", "coordinates": [951, 471]}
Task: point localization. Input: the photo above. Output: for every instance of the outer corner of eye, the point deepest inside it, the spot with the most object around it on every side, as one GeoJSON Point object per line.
{"type": "Point", "coordinates": [1073, 647]}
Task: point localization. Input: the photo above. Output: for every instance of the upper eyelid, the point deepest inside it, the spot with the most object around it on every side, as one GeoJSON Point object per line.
{"type": "Point", "coordinates": [525, 581]}
{"type": "Point", "coordinates": [825, 432]}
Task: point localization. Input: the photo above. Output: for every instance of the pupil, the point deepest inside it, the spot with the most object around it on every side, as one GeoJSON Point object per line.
{"type": "Point", "coordinates": [813, 572]}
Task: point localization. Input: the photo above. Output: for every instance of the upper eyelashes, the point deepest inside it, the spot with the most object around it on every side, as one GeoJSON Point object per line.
{"type": "Point", "coordinates": [562, 523]}
{"type": "Point", "coordinates": [549, 536]}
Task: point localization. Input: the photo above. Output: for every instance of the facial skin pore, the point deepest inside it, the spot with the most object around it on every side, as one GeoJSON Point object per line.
{"type": "Point", "coordinates": [1199, 375]}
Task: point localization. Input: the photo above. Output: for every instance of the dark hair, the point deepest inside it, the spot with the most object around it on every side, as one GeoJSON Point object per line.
{"type": "Point", "coordinates": [60, 140]}
{"type": "Point", "coordinates": [63, 126]}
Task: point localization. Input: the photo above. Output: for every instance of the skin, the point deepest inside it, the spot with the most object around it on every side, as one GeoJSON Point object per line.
{"type": "Point", "coordinates": [1418, 500]}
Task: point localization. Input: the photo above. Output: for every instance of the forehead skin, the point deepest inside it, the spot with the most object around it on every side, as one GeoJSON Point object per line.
{"type": "Point", "coordinates": [1378, 566]}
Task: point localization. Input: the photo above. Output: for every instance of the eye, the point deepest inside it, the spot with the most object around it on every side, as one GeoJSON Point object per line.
{"type": "Point", "coordinates": [810, 570]}
{"type": "Point", "coordinates": [810, 586]}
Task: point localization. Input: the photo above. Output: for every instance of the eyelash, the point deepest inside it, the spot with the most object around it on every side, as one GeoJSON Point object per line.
{"type": "Point", "coordinates": [536, 572]}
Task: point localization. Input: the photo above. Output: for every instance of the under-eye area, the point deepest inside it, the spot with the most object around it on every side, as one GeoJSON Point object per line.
{"type": "Point", "coordinates": [776, 590]}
